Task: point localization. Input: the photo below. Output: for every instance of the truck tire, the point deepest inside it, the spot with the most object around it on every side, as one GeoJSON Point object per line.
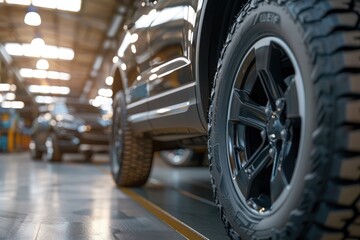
{"type": "Point", "coordinates": [130, 155]}
{"type": "Point", "coordinates": [284, 119]}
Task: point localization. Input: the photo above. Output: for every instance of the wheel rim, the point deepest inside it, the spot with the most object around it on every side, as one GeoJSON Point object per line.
{"type": "Point", "coordinates": [117, 141]}
{"type": "Point", "coordinates": [264, 124]}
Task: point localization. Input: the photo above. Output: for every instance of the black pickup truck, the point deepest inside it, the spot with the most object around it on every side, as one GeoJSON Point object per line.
{"type": "Point", "coordinates": [271, 88]}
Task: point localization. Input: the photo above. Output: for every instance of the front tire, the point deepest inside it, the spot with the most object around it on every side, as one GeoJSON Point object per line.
{"type": "Point", "coordinates": [283, 138]}
{"type": "Point", "coordinates": [35, 154]}
{"type": "Point", "coordinates": [53, 151]}
{"type": "Point", "coordinates": [130, 155]}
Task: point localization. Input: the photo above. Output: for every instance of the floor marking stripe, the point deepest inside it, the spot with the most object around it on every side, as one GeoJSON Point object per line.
{"type": "Point", "coordinates": [174, 223]}
{"type": "Point", "coordinates": [183, 192]}
{"type": "Point", "coordinates": [164, 216]}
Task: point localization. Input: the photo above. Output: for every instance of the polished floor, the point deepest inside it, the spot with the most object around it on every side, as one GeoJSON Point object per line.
{"type": "Point", "coordinates": [78, 200]}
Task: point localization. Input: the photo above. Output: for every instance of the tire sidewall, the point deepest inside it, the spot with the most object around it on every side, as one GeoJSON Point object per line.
{"type": "Point", "coordinates": [119, 121]}
{"type": "Point", "coordinates": [245, 222]}
{"type": "Point", "coordinates": [56, 154]}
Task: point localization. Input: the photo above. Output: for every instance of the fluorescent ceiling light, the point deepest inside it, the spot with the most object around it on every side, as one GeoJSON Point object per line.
{"type": "Point", "coordinates": [10, 96]}
{"type": "Point", "coordinates": [6, 87]}
{"type": "Point", "coordinates": [14, 49]}
{"type": "Point", "coordinates": [47, 51]}
{"type": "Point", "coordinates": [19, 2]}
{"type": "Point", "coordinates": [45, 3]}
{"type": "Point", "coordinates": [66, 5]}
{"type": "Point", "coordinates": [105, 92]}
{"type": "Point", "coordinates": [37, 73]}
{"type": "Point", "coordinates": [44, 99]}
{"type": "Point", "coordinates": [100, 100]}
{"type": "Point", "coordinates": [69, 5]}
{"type": "Point", "coordinates": [49, 89]}
{"type": "Point", "coordinates": [13, 104]}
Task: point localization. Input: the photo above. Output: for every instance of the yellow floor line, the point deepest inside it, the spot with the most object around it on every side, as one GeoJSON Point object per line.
{"type": "Point", "coordinates": [168, 219]}
{"type": "Point", "coordinates": [176, 224]}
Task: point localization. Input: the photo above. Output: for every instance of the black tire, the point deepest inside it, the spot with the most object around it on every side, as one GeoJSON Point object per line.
{"type": "Point", "coordinates": [53, 151]}
{"type": "Point", "coordinates": [35, 154]}
{"type": "Point", "coordinates": [288, 169]}
{"type": "Point", "coordinates": [182, 157]}
{"type": "Point", "coordinates": [130, 155]}
{"type": "Point", "coordinates": [88, 156]}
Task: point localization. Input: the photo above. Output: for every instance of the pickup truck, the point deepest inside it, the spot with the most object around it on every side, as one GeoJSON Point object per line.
{"type": "Point", "coordinates": [271, 88]}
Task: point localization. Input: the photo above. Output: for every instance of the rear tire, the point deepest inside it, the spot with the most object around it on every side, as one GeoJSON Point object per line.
{"type": "Point", "coordinates": [288, 169]}
{"type": "Point", "coordinates": [130, 155]}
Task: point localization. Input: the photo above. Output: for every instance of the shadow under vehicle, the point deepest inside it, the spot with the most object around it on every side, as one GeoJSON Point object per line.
{"type": "Point", "coordinates": [69, 128]}
{"type": "Point", "coordinates": [271, 88]}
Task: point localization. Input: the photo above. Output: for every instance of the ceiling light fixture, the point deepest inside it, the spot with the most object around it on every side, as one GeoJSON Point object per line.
{"type": "Point", "coordinates": [32, 18]}
{"type": "Point", "coordinates": [13, 104]}
{"type": "Point", "coordinates": [66, 5]}
{"type": "Point", "coordinates": [6, 87]}
{"type": "Point", "coordinates": [44, 99]}
{"type": "Point", "coordinates": [49, 89]}
{"type": "Point", "coordinates": [38, 42]}
{"type": "Point", "coordinates": [34, 50]}
{"type": "Point", "coordinates": [10, 96]}
{"type": "Point", "coordinates": [42, 64]}
{"type": "Point", "coordinates": [39, 73]}
{"type": "Point", "coordinates": [105, 92]}
{"type": "Point", "coordinates": [19, 2]}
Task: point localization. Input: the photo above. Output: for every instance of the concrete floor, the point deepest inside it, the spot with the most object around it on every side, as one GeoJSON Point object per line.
{"type": "Point", "coordinates": [78, 200]}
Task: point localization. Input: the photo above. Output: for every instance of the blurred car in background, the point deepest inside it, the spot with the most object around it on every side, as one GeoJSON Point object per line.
{"type": "Point", "coordinates": [184, 157]}
{"type": "Point", "coordinates": [69, 128]}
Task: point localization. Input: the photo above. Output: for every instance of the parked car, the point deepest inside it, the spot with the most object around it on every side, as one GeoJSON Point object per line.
{"type": "Point", "coordinates": [69, 128]}
{"type": "Point", "coordinates": [270, 87]}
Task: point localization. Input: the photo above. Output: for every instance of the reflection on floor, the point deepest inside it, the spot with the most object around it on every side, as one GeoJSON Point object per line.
{"type": "Point", "coordinates": [78, 200]}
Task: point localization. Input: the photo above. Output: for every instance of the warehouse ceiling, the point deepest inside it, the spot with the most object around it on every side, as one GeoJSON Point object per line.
{"type": "Point", "coordinates": [79, 46]}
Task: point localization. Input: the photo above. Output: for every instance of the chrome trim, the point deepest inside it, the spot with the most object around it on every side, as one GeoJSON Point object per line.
{"type": "Point", "coordinates": [162, 112]}
{"type": "Point", "coordinates": [144, 101]}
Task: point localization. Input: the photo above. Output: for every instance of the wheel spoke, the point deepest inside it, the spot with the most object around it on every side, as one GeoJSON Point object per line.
{"type": "Point", "coordinates": [257, 163]}
{"type": "Point", "coordinates": [278, 179]}
{"type": "Point", "coordinates": [291, 99]}
{"type": "Point", "coordinates": [247, 112]}
{"type": "Point", "coordinates": [268, 67]}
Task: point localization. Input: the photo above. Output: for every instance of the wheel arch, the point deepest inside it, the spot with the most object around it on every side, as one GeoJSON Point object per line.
{"type": "Point", "coordinates": [212, 33]}
{"type": "Point", "coordinates": [117, 83]}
